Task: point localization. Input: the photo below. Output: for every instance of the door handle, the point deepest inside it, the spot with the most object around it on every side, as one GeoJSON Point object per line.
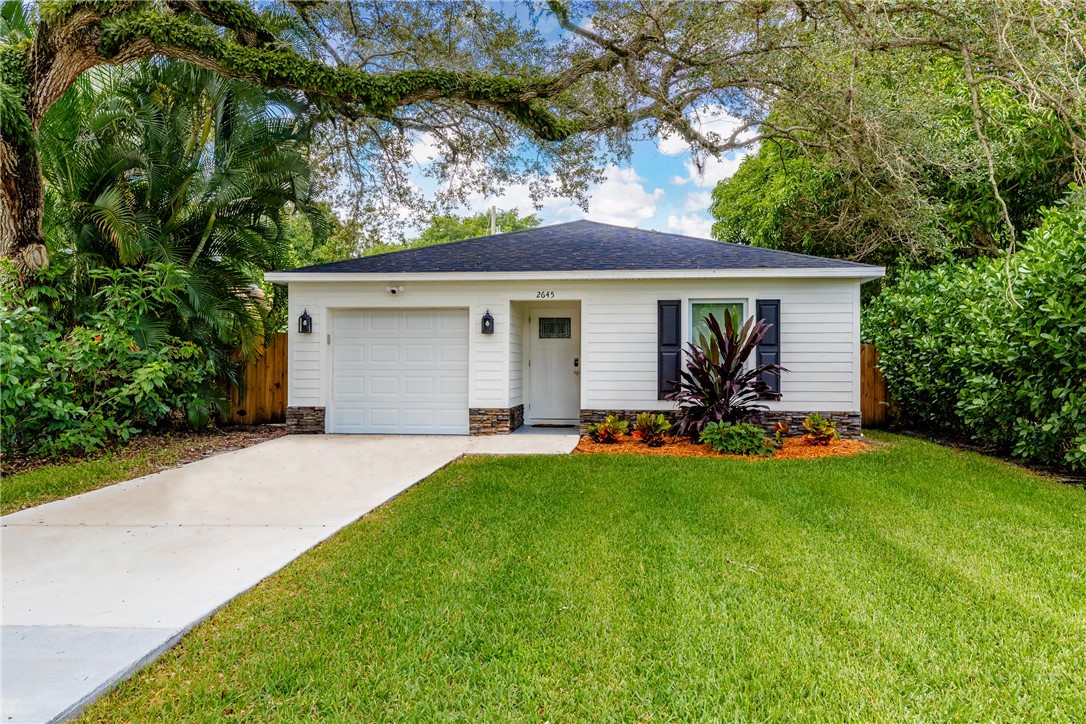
{"type": "Point", "coordinates": [576, 362]}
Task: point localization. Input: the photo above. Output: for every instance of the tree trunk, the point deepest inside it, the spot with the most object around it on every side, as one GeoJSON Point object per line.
{"type": "Point", "coordinates": [51, 65]}
{"type": "Point", "coordinates": [22, 202]}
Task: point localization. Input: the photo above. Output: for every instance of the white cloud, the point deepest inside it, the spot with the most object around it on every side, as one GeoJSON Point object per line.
{"type": "Point", "coordinates": [425, 149]}
{"type": "Point", "coordinates": [711, 121]}
{"type": "Point", "coordinates": [621, 199]}
{"type": "Point", "coordinates": [714, 170]}
{"type": "Point", "coordinates": [690, 225]}
{"type": "Point", "coordinates": [718, 124]}
{"type": "Point", "coordinates": [698, 201]}
{"type": "Point", "coordinates": [672, 145]}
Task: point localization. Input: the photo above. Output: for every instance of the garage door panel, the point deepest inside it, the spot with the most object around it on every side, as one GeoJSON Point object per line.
{"type": "Point", "coordinates": [452, 386]}
{"type": "Point", "coordinates": [400, 371]}
{"type": "Point", "coordinates": [451, 321]}
{"type": "Point", "coordinates": [346, 353]}
{"type": "Point", "coordinates": [419, 386]}
{"type": "Point", "coordinates": [348, 418]}
{"type": "Point", "coordinates": [453, 354]}
{"type": "Point", "coordinates": [419, 353]}
{"type": "Point", "coordinates": [382, 324]}
{"type": "Point", "coordinates": [419, 323]}
{"type": "Point", "coordinates": [382, 354]}
{"type": "Point", "coordinates": [380, 385]}
{"type": "Point", "coordinates": [351, 387]}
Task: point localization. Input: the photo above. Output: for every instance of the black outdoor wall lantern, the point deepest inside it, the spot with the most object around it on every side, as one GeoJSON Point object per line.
{"type": "Point", "coordinates": [305, 323]}
{"type": "Point", "coordinates": [488, 323]}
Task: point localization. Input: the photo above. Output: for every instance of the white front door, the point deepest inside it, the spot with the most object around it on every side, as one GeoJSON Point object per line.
{"type": "Point", "coordinates": [554, 351]}
{"type": "Point", "coordinates": [400, 371]}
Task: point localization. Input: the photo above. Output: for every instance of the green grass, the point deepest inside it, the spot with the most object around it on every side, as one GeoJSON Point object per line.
{"type": "Point", "coordinates": [910, 583]}
{"type": "Point", "coordinates": [53, 482]}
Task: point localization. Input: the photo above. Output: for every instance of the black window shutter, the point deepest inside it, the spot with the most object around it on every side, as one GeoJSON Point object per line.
{"type": "Point", "coordinates": [669, 345]}
{"type": "Point", "coordinates": [769, 349]}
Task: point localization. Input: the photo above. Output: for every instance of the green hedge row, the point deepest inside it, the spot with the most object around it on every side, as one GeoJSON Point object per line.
{"type": "Point", "coordinates": [996, 349]}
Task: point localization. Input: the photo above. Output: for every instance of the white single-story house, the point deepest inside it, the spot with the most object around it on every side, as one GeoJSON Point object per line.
{"type": "Point", "coordinates": [558, 325]}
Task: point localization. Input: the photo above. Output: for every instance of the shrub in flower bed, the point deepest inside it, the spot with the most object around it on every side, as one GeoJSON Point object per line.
{"type": "Point", "coordinates": [609, 430]}
{"type": "Point", "coordinates": [736, 439]}
{"type": "Point", "coordinates": [820, 430]}
{"type": "Point", "coordinates": [651, 429]}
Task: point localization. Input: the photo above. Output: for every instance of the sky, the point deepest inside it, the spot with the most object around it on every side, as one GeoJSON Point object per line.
{"type": "Point", "coordinates": [659, 189]}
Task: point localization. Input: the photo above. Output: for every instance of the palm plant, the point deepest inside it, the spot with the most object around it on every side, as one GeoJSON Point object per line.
{"type": "Point", "coordinates": [717, 385]}
{"type": "Point", "coordinates": [166, 162]}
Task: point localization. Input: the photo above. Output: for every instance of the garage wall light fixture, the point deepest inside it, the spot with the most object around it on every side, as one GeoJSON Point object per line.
{"type": "Point", "coordinates": [305, 323]}
{"type": "Point", "coordinates": [488, 323]}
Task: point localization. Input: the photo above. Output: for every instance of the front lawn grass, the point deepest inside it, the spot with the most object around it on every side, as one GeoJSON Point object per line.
{"type": "Point", "coordinates": [47, 480]}
{"type": "Point", "coordinates": [909, 583]}
{"type": "Point", "coordinates": [65, 479]}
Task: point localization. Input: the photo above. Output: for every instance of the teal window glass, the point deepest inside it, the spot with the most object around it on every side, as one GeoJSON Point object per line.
{"type": "Point", "coordinates": [700, 310]}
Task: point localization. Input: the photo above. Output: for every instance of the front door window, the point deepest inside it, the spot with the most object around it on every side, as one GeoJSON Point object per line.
{"type": "Point", "coordinates": [555, 328]}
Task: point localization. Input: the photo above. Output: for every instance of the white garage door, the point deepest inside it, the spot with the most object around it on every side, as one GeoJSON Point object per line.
{"type": "Point", "coordinates": [400, 371]}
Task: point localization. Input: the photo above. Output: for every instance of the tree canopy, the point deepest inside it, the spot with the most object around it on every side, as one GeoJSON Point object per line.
{"type": "Point", "coordinates": [479, 96]}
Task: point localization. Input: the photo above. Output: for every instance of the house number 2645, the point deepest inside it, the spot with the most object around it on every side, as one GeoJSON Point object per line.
{"type": "Point", "coordinates": [544, 295]}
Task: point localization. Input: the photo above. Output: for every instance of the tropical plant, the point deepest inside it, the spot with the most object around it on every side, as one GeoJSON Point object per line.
{"type": "Point", "coordinates": [740, 438]}
{"type": "Point", "coordinates": [651, 429]}
{"type": "Point", "coordinates": [780, 432]}
{"type": "Point", "coordinates": [609, 430]}
{"type": "Point", "coordinates": [966, 350]}
{"type": "Point", "coordinates": [116, 373]}
{"type": "Point", "coordinates": [820, 430]}
{"type": "Point", "coordinates": [171, 164]}
{"type": "Point", "coordinates": [716, 384]}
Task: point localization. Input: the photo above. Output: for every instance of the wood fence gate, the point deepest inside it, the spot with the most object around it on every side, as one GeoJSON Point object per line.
{"type": "Point", "coordinates": [874, 395]}
{"type": "Point", "coordinates": [265, 399]}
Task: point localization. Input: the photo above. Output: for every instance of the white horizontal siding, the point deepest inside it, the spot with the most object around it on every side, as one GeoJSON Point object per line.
{"type": "Point", "coordinates": [819, 335]}
{"type": "Point", "coordinates": [516, 355]}
{"type": "Point", "coordinates": [817, 340]}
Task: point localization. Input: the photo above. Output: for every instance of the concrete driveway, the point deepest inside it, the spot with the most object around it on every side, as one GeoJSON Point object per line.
{"type": "Point", "coordinates": [98, 585]}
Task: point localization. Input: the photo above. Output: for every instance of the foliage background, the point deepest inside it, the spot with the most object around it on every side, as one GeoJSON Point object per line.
{"type": "Point", "coordinates": [962, 352]}
{"type": "Point", "coordinates": [117, 372]}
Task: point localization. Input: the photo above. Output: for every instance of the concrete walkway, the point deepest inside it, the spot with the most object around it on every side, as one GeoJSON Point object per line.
{"type": "Point", "coordinates": [98, 585]}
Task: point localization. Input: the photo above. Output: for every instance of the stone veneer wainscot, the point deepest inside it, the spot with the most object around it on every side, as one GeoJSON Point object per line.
{"type": "Point", "coordinates": [305, 420]}
{"type": "Point", "coordinates": [495, 420]}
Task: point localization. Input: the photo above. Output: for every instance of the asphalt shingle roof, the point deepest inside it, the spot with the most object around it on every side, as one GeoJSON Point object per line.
{"type": "Point", "coordinates": [580, 246]}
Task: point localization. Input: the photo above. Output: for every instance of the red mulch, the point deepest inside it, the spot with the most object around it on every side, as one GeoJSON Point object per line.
{"type": "Point", "coordinates": [794, 449]}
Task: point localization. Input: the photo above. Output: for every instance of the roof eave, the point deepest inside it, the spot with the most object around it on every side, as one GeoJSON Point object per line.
{"type": "Point", "coordinates": [862, 273]}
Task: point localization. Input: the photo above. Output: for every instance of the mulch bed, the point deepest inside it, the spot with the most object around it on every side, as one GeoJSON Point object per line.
{"type": "Point", "coordinates": [195, 445]}
{"type": "Point", "coordinates": [793, 449]}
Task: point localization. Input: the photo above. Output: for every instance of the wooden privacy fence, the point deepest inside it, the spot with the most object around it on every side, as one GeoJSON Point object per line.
{"type": "Point", "coordinates": [265, 397]}
{"type": "Point", "coordinates": [874, 395]}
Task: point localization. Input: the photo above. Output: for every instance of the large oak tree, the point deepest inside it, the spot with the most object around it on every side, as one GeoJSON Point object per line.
{"type": "Point", "coordinates": [502, 99]}
{"type": "Point", "coordinates": [551, 94]}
